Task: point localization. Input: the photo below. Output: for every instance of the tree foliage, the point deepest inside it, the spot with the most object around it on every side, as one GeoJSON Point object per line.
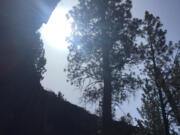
{"type": "Point", "coordinates": [152, 123]}
{"type": "Point", "coordinates": [101, 45]}
{"type": "Point", "coordinates": [90, 35]}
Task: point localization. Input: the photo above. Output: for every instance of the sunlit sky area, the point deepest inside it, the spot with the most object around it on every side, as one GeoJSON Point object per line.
{"type": "Point", "coordinates": [54, 35]}
{"type": "Point", "coordinates": [57, 29]}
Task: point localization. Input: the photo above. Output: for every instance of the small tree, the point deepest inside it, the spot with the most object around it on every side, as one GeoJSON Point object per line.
{"type": "Point", "coordinates": [102, 43]}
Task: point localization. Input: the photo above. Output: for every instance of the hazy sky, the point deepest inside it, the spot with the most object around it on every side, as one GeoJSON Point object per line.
{"type": "Point", "coordinates": [55, 78]}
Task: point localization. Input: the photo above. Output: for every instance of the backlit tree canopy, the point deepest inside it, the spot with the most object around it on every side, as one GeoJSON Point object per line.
{"type": "Point", "coordinates": [101, 45]}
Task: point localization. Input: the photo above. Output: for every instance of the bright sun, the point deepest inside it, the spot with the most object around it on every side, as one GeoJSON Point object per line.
{"type": "Point", "coordinates": [58, 28]}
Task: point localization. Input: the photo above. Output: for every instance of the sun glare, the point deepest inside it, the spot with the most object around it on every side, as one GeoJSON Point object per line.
{"type": "Point", "coordinates": [58, 28]}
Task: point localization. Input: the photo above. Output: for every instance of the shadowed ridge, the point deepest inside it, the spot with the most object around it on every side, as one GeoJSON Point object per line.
{"type": "Point", "coordinates": [30, 14]}
{"type": "Point", "coordinates": [21, 50]}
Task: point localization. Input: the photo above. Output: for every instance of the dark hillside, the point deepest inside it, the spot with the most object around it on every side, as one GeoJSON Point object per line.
{"type": "Point", "coordinates": [43, 113]}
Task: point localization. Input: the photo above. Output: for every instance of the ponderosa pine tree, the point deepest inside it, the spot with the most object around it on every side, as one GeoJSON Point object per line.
{"type": "Point", "coordinates": [162, 57]}
{"type": "Point", "coordinates": [159, 62]}
{"type": "Point", "coordinates": [101, 44]}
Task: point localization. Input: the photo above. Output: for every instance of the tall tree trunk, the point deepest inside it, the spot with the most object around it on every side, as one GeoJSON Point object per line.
{"type": "Point", "coordinates": [163, 111]}
{"type": "Point", "coordinates": [107, 97]}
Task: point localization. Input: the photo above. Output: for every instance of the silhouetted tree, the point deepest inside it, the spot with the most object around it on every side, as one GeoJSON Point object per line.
{"type": "Point", "coordinates": [101, 44]}
{"type": "Point", "coordinates": [158, 98]}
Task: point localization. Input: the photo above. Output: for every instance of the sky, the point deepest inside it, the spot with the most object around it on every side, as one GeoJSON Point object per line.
{"type": "Point", "coordinates": [55, 77]}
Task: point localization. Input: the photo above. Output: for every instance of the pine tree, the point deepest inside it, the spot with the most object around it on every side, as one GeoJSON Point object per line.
{"type": "Point", "coordinates": [159, 61]}
{"type": "Point", "coordinates": [101, 44]}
